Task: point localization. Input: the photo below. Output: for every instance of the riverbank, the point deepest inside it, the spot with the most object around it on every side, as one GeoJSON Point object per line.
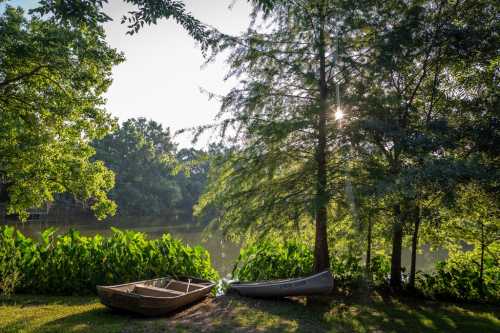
{"type": "Point", "coordinates": [360, 313]}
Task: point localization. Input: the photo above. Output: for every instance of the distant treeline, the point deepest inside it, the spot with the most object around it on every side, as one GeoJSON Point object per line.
{"type": "Point", "coordinates": [152, 176]}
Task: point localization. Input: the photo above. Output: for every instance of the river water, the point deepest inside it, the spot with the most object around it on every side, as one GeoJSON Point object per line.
{"type": "Point", "coordinates": [223, 253]}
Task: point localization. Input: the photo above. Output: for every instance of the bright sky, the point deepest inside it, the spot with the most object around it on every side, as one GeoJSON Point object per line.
{"type": "Point", "coordinates": [162, 74]}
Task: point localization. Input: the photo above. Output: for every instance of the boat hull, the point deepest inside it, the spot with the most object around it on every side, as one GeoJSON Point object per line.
{"type": "Point", "coordinates": [157, 301]}
{"type": "Point", "coordinates": [318, 284]}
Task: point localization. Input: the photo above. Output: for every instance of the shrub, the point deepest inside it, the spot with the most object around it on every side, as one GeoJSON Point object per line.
{"type": "Point", "coordinates": [458, 279]}
{"type": "Point", "coordinates": [270, 259]}
{"type": "Point", "coordinates": [380, 269]}
{"type": "Point", "coordinates": [74, 264]}
{"type": "Point", "coordinates": [346, 269]}
{"type": "Point", "coordinates": [10, 258]}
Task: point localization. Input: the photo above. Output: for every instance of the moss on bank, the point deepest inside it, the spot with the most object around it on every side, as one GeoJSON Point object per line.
{"type": "Point", "coordinates": [374, 313]}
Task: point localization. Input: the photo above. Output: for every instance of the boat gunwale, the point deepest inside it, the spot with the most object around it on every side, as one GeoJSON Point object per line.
{"type": "Point", "coordinates": [270, 283]}
{"type": "Point", "coordinates": [130, 294]}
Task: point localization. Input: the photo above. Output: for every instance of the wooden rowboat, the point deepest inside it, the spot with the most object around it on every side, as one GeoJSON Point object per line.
{"type": "Point", "coordinates": [317, 284]}
{"type": "Point", "coordinates": [154, 297]}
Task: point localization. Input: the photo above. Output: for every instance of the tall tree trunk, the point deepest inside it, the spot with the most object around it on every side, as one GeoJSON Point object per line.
{"type": "Point", "coordinates": [369, 250]}
{"type": "Point", "coordinates": [481, 264]}
{"type": "Point", "coordinates": [414, 246]}
{"type": "Point", "coordinates": [321, 260]}
{"type": "Point", "coordinates": [397, 244]}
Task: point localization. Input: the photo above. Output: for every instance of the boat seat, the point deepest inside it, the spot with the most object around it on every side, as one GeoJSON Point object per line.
{"type": "Point", "coordinates": [144, 290]}
{"type": "Point", "coordinates": [183, 286]}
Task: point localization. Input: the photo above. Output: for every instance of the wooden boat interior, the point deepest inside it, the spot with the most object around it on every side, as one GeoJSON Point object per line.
{"type": "Point", "coordinates": [161, 287]}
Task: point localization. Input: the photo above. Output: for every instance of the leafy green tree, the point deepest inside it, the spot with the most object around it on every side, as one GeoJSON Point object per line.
{"type": "Point", "coordinates": [283, 167]}
{"type": "Point", "coordinates": [191, 179]}
{"type": "Point", "coordinates": [411, 105]}
{"type": "Point", "coordinates": [422, 107]}
{"type": "Point", "coordinates": [90, 13]}
{"type": "Point", "coordinates": [142, 155]}
{"type": "Point", "coordinates": [463, 125]}
{"type": "Point", "coordinates": [475, 219]}
{"type": "Point", "coordinates": [52, 78]}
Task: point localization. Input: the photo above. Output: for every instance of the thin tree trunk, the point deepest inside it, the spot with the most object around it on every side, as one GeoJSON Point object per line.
{"type": "Point", "coordinates": [414, 246]}
{"type": "Point", "coordinates": [397, 244]}
{"type": "Point", "coordinates": [481, 267]}
{"type": "Point", "coordinates": [321, 259]}
{"type": "Point", "coordinates": [369, 249]}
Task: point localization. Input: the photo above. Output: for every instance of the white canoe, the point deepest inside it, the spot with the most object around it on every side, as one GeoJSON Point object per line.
{"type": "Point", "coordinates": [317, 284]}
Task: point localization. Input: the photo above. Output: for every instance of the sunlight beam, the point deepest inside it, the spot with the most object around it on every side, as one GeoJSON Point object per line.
{"type": "Point", "coordinates": [339, 114]}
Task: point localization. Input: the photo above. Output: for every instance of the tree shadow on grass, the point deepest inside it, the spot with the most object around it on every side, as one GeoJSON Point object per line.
{"type": "Point", "coordinates": [239, 314]}
{"type": "Point", "coordinates": [87, 315]}
{"type": "Point", "coordinates": [96, 320]}
{"type": "Point", "coordinates": [337, 314]}
{"type": "Point", "coordinates": [410, 315]}
{"type": "Point", "coordinates": [365, 313]}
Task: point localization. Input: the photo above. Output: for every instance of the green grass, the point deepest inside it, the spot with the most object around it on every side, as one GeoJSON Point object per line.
{"type": "Point", "coordinates": [30, 313]}
{"type": "Point", "coordinates": [56, 314]}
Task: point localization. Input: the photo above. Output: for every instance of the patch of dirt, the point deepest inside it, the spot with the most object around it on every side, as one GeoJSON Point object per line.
{"type": "Point", "coordinates": [204, 316]}
{"type": "Point", "coordinates": [224, 313]}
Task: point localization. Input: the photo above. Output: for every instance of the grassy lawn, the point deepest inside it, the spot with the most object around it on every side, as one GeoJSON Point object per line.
{"type": "Point", "coordinates": [31, 313]}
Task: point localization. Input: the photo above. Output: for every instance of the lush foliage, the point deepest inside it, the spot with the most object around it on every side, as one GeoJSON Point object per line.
{"type": "Point", "coordinates": [289, 159]}
{"type": "Point", "coordinates": [267, 259]}
{"type": "Point", "coordinates": [271, 259]}
{"type": "Point", "coordinates": [90, 13]}
{"type": "Point", "coordinates": [191, 178]}
{"type": "Point", "coordinates": [54, 68]}
{"type": "Point", "coordinates": [459, 278]}
{"type": "Point", "coordinates": [380, 268]}
{"type": "Point", "coordinates": [74, 264]}
{"type": "Point", "coordinates": [410, 157]}
{"type": "Point", "coordinates": [141, 154]}
{"type": "Point", "coordinates": [420, 119]}
{"type": "Point", "coordinates": [52, 80]}
{"type": "Point", "coordinates": [474, 218]}
{"type": "Point", "coordinates": [153, 178]}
